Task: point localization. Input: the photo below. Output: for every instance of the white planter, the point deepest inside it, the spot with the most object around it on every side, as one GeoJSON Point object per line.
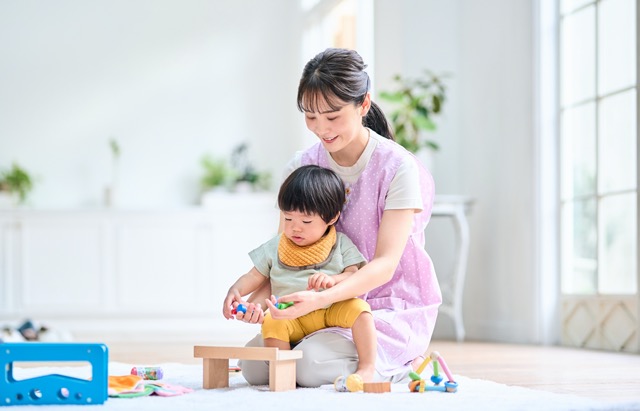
{"type": "Point", "coordinates": [8, 200]}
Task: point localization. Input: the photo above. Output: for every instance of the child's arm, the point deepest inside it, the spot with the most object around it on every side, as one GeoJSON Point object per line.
{"type": "Point", "coordinates": [320, 280]}
{"type": "Point", "coordinates": [246, 284]}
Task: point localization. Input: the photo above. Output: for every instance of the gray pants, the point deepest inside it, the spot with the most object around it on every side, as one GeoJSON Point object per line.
{"type": "Point", "coordinates": [326, 356]}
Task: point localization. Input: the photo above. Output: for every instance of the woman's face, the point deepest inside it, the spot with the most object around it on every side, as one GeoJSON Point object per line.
{"type": "Point", "coordinates": [337, 129]}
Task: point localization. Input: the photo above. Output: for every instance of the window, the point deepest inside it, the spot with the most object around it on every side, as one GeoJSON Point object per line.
{"type": "Point", "coordinates": [337, 23]}
{"type": "Point", "coordinates": [598, 145]}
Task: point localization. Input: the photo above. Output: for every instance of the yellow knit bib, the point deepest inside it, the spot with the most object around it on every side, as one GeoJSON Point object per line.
{"type": "Point", "coordinates": [293, 255]}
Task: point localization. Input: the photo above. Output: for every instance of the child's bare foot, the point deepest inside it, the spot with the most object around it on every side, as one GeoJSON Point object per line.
{"type": "Point", "coordinates": [366, 372]}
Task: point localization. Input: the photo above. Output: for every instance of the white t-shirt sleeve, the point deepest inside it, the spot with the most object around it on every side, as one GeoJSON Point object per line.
{"type": "Point", "coordinates": [404, 190]}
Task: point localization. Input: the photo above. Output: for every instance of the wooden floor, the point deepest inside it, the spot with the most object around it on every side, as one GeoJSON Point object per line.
{"type": "Point", "coordinates": [593, 374]}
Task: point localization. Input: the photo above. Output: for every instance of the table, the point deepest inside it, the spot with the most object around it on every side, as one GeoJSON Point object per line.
{"type": "Point", "coordinates": [456, 208]}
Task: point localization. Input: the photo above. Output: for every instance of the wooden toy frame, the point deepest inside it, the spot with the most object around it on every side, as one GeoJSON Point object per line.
{"type": "Point", "coordinates": [215, 361]}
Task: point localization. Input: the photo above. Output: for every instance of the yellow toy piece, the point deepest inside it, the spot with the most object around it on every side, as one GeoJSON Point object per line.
{"type": "Point", "coordinates": [355, 383]}
{"type": "Point", "coordinates": [352, 383]}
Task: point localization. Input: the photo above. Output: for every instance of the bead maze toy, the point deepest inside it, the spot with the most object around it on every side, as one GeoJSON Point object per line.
{"type": "Point", "coordinates": [417, 384]}
{"type": "Point", "coordinates": [53, 389]}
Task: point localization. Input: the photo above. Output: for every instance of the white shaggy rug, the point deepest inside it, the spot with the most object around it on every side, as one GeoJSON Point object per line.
{"type": "Point", "coordinates": [473, 394]}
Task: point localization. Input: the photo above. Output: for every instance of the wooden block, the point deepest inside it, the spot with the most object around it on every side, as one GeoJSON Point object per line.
{"type": "Point", "coordinates": [377, 387]}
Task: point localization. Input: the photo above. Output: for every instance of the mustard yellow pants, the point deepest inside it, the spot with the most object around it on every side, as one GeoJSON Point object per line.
{"type": "Point", "coordinates": [341, 314]}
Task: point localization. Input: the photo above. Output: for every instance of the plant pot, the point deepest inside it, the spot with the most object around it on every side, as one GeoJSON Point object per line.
{"type": "Point", "coordinates": [8, 200]}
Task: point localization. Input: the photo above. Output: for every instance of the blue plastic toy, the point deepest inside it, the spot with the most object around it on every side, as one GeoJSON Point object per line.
{"type": "Point", "coordinates": [54, 388]}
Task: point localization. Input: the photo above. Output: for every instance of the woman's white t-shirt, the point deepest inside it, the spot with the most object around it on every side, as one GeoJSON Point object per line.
{"type": "Point", "coordinates": [404, 191]}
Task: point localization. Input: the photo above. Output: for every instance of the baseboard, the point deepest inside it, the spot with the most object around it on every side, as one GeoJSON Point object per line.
{"type": "Point", "coordinates": [200, 330]}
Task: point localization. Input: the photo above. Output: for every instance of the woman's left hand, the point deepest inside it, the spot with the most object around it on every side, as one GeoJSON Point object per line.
{"type": "Point", "coordinates": [303, 303]}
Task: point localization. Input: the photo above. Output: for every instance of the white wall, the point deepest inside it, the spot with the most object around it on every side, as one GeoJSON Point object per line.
{"type": "Point", "coordinates": [173, 80]}
{"type": "Point", "coordinates": [170, 80]}
{"type": "Point", "coordinates": [487, 141]}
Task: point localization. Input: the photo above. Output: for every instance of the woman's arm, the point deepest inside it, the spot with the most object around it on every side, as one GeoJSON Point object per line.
{"type": "Point", "coordinates": [393, 234]}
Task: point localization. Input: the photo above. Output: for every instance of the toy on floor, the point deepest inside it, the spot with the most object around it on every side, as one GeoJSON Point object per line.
{"type": "Point", "coordinates": [352, 383]}
{"type": "Point", "coordinates": [33, 331]}
{"type": "Point", "coordinates": [54, 388]}
{"type": "Point", "coordinates": [131, 386]}
{"type": "Point", "coordinates": [148, 373]}
{"type": "Point", "coordinates": [377, 387]}
{"type": "Point", "coordinates": [417, 384]}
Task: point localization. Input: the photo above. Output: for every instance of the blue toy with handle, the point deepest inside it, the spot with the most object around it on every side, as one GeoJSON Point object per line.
{"type": "Point", "coordinates": [54, 388]}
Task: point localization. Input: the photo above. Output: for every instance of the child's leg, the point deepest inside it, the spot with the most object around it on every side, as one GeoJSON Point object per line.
{"type": "Point", "coordinates": [356, 314]}
{"type": "Point", "coordinates": [280, 333]}
{"type": "Point", "coordinates": [365, 340]}
{"type": "Point", "coordinates": [274, 342]}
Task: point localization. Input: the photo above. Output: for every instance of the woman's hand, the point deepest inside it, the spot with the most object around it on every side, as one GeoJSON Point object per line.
{"type": "Point", "coordinates": [303, 303]}
{"type": "Point", "coordinates": [319, 281]}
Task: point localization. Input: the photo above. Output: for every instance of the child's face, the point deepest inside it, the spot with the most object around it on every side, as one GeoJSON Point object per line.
{"type": "Point", "coordinates": [304, 229]}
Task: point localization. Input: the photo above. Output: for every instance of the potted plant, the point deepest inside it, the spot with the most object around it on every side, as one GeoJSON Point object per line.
{"type": "Point", "coordinates": [217, 173]}
{"type": "Point", "coordinates": [247, 177]}
{"type": "Point", "coordinates": [16, 182]}
{"type": "Point", "coordinates": [416, 102]}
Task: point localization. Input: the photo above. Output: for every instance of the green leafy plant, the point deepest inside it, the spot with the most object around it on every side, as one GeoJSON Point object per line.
{"type": "Point", "coordinates": [16, 180]}
{"type": "Point", "coordinates": [220, 173]}
{"type": "Point", "coordinates": [216, 173]}
{"type": "Point", "coordinates": [417, 101]}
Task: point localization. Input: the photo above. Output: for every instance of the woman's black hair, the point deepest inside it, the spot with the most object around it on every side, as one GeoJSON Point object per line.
{"type": "Point", "coordinates": [334, 77]}
{"type": "Point", "coordinates": [312, 189]}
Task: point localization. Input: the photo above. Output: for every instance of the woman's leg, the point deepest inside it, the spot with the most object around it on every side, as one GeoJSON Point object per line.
{"type": "Point", "coordinates": [255, 372]}
{"type": "Point", "coordinates": [326, 356]}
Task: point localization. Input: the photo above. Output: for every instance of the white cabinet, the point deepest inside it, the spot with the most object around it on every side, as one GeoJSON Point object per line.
{"type": "Point", "coordinates": [128, 266]}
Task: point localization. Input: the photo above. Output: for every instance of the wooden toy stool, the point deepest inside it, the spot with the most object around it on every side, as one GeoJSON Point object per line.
{"type": "Point", "coordinates": [215, 365]}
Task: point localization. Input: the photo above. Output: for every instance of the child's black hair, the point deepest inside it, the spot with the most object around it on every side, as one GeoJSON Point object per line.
{"type": "Point", "coordinates": [312, 189]}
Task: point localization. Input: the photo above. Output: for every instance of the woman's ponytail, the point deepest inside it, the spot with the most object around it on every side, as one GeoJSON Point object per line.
{"type": "Point", "coordinates": [377, 121]}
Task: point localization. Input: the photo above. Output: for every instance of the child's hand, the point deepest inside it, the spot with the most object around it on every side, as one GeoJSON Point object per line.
{"type": "Point", "coordinates": [320, 281]}
{"type": "Point", "coordinates": [232, 301]}
{"type": "Point", "coordinates": [254, 314]}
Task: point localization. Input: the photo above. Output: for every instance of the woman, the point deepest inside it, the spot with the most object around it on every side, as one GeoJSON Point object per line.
{"type": "Point", "coordinates": [389, 200]}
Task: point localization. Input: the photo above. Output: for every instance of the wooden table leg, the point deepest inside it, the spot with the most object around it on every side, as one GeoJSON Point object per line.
{"type": "Point", "coordinates": [282, 375]}
{"type": "Point", "coordinates": [215, 373]}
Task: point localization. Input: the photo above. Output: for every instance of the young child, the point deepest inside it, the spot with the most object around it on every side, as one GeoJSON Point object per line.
{"type": "Point", "coordinates": [310, 254]}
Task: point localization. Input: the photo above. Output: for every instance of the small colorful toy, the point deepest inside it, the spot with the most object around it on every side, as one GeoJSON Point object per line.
{"type": "Point", "coordinates": [352, 383]}
{"type": "Point", "coordinates": [148, 373]}
{"type": "Point", "coordinates": [417, 384]}
{"type": "Point", "coordinates": [282, 306]}
{"type": "Point", "coordinates": [239, 309]}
